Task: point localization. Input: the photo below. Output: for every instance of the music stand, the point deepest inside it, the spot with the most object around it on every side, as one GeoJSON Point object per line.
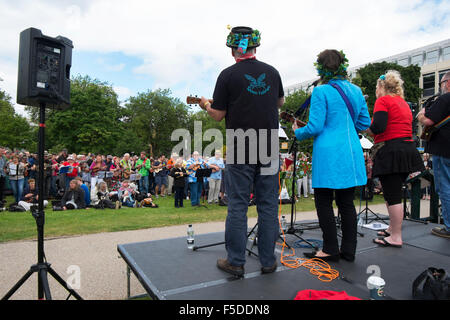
{"type": "Point", "coordinates": [306, 226]}
{"type": "Point", "coordinates": [366, 190]}
{"type": "Point", "coordinates": [105, 174]}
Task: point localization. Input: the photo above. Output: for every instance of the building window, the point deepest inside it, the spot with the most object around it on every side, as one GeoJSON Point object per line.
{"type": "Point", "coordinates": [418, 60]}
{"type": "Point", "coordinates": [428, 84]}
{"type": "Point", "coordinates": [442, 73]}
{"type": "Point", "coordinates": [446, 53]}
{"type": "Point", "coordinates": [403, 62]}
{"type": "Point", "coordinates": [432, 57]}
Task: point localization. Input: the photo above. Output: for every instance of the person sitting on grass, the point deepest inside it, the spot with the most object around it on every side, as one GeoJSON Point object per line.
{"type": "Point", "coordinates": [127, 195]}
{"type": "Point", "coordinates": [101, 197]}
{"type": "Point", "coordinates": [87, 194]}
{"type": "Point", "coordinates": [31, 196]}
{"type": "Point", "coordinates": [74, 197]}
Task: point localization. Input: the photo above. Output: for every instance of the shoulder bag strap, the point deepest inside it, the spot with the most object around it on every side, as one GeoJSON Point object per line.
{"type": "Point", "coordinates": [346, 100]}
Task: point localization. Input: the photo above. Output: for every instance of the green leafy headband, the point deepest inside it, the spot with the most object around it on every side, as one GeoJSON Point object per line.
{"type": "Point", "coordinates": [244, 41]}
{"type": "Point", "coordinates": [339, 73]}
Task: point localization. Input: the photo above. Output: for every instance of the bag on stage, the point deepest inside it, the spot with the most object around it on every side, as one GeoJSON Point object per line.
{"type": "Point", "coordinates": [432, 284]}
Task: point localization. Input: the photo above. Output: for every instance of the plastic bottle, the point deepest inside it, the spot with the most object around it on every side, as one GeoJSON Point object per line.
{"type": "Point", "coordinates": [283, 224]}
{"type": "Point", "coordinates": [360, 221]}
{"type": "Point", "coordinates": [190, 237]}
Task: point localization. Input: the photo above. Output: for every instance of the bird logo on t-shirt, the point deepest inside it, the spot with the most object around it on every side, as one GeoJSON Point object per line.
{"type": "Point", "coordinates": [257, 86]}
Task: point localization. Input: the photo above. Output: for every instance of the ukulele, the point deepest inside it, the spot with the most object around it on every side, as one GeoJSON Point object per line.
{"type": "Point", "coordinates": [286, 116]}
{"type": "Point", "coordinates": [193, 100]}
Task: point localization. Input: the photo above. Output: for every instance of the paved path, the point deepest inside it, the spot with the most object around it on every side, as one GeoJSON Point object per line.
{"type": "Point", "coordinates": [102, 272]}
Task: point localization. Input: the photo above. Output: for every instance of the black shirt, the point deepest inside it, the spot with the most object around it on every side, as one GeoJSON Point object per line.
{"type": "Point", "coordinates": [439, 143]}
{"type": "Point", "coordinates": [179, 180]}
{"type": "Point", "coordinates": [249, 92]}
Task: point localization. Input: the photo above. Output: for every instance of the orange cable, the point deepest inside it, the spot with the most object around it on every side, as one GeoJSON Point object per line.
{"type": "Point", "coordinates": [316, 266]}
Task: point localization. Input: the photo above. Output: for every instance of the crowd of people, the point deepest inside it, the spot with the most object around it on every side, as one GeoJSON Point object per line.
{"type": "Point", "coordinates": [80, 181]}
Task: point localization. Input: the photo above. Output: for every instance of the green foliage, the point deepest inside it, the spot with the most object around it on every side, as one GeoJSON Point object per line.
{"type": "Point", "coordinates": [152, 116]}
{"type": "Point", "coordinates": [291, 105]}
{"type": "Point", "coordinates": [15, 131]}
{"type": "Point", "coordinates": [93, 121]}
{"type": "Point", "coordinates": [207, 123]}
{"type": "Point", "coordinates": [367, 79]}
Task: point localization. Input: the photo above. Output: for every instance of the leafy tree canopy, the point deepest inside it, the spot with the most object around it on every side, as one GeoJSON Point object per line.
{"type": "Point", "coordinates": [367, 79]}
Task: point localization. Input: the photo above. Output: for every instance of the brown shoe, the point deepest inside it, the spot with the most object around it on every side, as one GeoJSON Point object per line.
{"type": "Point", "coordinates": [224, 265]}
{"type": "Point", "coordinates": [441, 232]}
{"type": "Point", "coordinates": [269, 269]}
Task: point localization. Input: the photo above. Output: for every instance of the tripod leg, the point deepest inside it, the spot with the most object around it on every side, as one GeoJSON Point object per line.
{"type": "Point", "coordinates": [64, 284]}
{"type": "Point", "coordinates": [44, 281]}
{"type": "Point", "coordinates": [208, 245]}
{"type": "Point", "coordinates": [309, 243]}
{"type": "Point", "coordinates": [19, 284]}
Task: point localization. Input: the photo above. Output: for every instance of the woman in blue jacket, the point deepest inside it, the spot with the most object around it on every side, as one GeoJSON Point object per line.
{"type": "Point", "coordinates": [338, 161]}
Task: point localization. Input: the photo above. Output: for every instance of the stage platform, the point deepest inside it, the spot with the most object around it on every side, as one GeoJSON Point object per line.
{"type": "Point", "coordinates": [167, 270]}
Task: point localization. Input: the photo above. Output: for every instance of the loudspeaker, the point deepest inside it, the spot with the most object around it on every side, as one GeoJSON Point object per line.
{"type": "Point", "coordinates": [44, 70]}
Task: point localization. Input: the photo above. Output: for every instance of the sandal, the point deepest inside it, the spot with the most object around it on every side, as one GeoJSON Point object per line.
{"type": "Point", "coordinates": [383, 233]}
{"type": "Point", "coordinates": [384, 243]}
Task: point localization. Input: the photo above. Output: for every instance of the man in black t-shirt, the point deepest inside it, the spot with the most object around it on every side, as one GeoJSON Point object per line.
{"type": "Point", "coordinates": [248, 95]}
{"type": "Point", "coordinates": [438, 146]}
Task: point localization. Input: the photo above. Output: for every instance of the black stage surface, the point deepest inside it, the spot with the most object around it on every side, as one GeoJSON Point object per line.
{"type": "Point", "coordinates": [168, 270]}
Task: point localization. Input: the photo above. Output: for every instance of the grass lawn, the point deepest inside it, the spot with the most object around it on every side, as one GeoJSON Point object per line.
{"type": "Point", "coordinates": [21, 225]}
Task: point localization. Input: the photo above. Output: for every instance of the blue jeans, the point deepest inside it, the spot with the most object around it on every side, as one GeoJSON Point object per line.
{"type": "Point", "coordinates": [239, 182]}
{"type": "Point", "coordinates": [441, 170]}
{"type": "Point", "coordinates": [196, 192]}
{"type": "Point", "coordinates": [17, 188]}
{"type": "Point", "coordinates": [143, 185]}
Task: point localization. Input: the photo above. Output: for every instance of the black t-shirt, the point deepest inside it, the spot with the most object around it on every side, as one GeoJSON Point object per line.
{"type": "Point", "coordinates": [249, 92]}
{"type": "Point", "coordinates": [440, 139]}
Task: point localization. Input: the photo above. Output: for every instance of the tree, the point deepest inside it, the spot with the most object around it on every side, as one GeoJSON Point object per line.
{"type": "Point", "coordinates": [207, 124]}
{"type": "Point", "coordinates": [152, 116]}
{"type": "Point", "coordinates": [15, 131]}
{"type": "Point", "coordinates": [91, 124]}
{"type": "Point", "coordinates": [367, 79]}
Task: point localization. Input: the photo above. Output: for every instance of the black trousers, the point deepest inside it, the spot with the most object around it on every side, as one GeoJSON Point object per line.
{"type": "Point", "coordinates": [179, 196]}
{"type": "Point", "coordinates": [324, 204]}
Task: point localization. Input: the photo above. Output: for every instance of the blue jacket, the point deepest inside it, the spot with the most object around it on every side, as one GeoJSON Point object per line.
{"type": "Point", "coordinates": [338, 159]}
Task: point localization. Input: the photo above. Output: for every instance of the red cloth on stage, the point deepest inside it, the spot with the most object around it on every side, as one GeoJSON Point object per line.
{"type": "Point", "coordinates": [323, 295]}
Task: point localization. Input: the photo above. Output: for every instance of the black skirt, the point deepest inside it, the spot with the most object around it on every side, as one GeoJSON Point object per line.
{"type": "Point", "coordinates": [397, 156]}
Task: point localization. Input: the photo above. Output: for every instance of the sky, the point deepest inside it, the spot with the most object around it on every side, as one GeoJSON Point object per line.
{"type": "Point", "coordinates": [138, 45]}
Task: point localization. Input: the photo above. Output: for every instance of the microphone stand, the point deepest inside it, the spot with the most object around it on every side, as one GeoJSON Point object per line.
{"type": "Point", "coordinates": [293, 229]}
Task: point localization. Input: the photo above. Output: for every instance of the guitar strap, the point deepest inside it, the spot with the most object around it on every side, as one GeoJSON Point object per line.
{"type": "Point", "coordinates": [442, 123]}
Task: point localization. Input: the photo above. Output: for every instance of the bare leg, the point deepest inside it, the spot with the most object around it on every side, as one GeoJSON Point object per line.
{"type": "Point", "coordinates": [395, 225]}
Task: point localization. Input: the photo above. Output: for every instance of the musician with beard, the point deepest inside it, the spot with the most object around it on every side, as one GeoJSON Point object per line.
{"type": "Point", "coordinates": [437, 116]}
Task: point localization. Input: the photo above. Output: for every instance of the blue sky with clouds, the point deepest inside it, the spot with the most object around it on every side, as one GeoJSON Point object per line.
{"type": "Point", "coordinates": [142, 45]}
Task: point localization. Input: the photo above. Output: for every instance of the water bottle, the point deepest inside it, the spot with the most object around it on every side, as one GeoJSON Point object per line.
{"type": "Point", "coordinates": [190, 237]}
{"type": "Point", "coordinates": [283, 224]}
{"type": "Point", "coordinates": [360, 221]}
